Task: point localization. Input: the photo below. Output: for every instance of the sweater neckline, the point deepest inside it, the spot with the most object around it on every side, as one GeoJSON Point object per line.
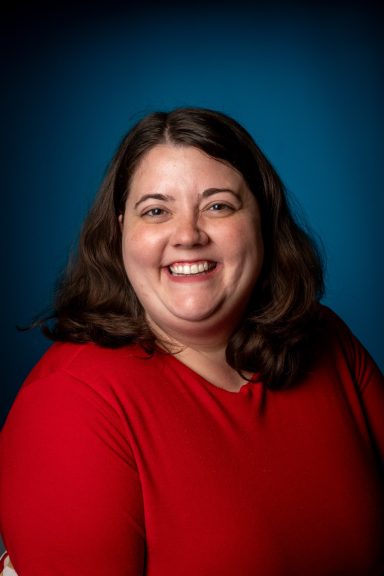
{"type": "Point", "coordinates": [180, 367]}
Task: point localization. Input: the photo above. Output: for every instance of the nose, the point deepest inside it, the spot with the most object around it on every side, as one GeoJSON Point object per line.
{"type": "Point", "coordinates": [189, 232]}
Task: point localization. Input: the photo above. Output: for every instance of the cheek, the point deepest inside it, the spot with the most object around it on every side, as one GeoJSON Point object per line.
{"type": "Point", "coordinates": [141, 236]}
{"type": "Point", "coordinates": [130, 250]}
{"type": "Point", "coordinates": [141, 250]}
{"type": "Point", "coordinates": [244, 242]}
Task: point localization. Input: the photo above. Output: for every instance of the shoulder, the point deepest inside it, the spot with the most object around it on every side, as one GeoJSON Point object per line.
{"type": "Point", "coordinates": [90, 363]}
{"type": "Point", "coordinates": [331, 319]}
{"type": "Point", "coordinates": [335, 332]}
{"type": "Point", "coordinates": [339, 345]}
{"type": "Point", "coordinates": [79, 388]}
{"type": "Point", "coordinates": [86, 377]}
{"type": "Point", "coordinates": [77, 357]}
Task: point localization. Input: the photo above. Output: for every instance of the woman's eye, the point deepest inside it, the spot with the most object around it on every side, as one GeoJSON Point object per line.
{"type": "Point", "coordinates": [220, 207]}
{"type": "Point", "coordinates": [154, 212]}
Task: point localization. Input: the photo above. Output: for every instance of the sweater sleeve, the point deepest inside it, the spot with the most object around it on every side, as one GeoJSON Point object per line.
{"type": "Point", "coordinates": [70, 494]}
{"type": "Point", "coordinates": [368, 379]}
{"type": "Point", "coordinates": [371, 384]}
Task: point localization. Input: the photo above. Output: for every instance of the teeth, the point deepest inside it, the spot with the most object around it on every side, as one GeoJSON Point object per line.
{"type": "Point", "coordinates": [189, 269]}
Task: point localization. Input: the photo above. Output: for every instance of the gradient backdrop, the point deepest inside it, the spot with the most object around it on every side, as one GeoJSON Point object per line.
{"type": "Point", "coordinates": [305, 79]}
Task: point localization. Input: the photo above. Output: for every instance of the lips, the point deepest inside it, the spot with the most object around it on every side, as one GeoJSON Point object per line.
{"type": "Point", "coordinates": [192, 268]}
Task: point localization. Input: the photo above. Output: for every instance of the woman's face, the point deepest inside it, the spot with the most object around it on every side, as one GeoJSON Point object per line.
{"type": "Point", "coordinates": [192, 244]}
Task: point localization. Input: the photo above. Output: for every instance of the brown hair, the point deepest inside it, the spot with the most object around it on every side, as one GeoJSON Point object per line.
{"type": "Point", "coordinates": [96, 302]}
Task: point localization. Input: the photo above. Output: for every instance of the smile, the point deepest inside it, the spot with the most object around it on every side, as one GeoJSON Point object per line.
{"type": "Point", "coordinates": [191, 269]}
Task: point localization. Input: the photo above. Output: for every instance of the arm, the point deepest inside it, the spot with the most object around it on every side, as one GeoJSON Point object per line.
{"type": "Point", "coordinates": [70, 495]}
{"type": "Point", "coordinates": [368, 379]}
{"type": "Point", "coordinates": [371, 384]}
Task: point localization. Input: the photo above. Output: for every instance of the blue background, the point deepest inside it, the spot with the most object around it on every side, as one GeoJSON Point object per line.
{"type": "Point", "coordinates": [305, 79]}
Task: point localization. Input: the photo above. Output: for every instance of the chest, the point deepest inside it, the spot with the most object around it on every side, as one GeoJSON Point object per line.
{"type": "Point", "coordinates": [275, 483]}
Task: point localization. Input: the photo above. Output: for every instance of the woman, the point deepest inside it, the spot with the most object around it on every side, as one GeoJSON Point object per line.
{"type": "Point", "coordinates": [200, 412]}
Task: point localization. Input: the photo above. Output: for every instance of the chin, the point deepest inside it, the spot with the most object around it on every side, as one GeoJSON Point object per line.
{"type": "Point", "coordinates": [198, 314]}
{"type": "Point", "coordinates": [206, 322]}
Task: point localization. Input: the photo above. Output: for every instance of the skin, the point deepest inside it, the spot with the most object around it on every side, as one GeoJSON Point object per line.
{"type": "Point", "coordinates": [186, 211]}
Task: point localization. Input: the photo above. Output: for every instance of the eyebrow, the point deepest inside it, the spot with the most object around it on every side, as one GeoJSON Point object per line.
{"type": "Point", "coordinates": [211, 191]}
{"type": "Point", "coordinates": [165, 197]}
{"type": "Point", "coordinates": [162, 197]}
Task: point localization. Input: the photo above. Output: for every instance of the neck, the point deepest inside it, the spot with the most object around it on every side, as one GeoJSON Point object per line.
{"type": "Point", "coordinates": [205, 355]}
{"type": "Point", "coordinates": [206, 336]}
{"type": "Point", "coordinates": [211, 364]}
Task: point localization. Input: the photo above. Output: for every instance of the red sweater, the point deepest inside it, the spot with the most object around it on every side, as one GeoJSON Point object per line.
{"type": "Point", "coordinates": [113, 463]}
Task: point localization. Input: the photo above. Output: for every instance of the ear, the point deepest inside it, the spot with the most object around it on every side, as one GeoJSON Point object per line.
{"type": "Point", "coordinates": [121, 221]}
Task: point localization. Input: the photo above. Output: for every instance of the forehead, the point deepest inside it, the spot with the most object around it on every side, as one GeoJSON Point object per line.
{"type": "Point", "coordinates": [178, 165]}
